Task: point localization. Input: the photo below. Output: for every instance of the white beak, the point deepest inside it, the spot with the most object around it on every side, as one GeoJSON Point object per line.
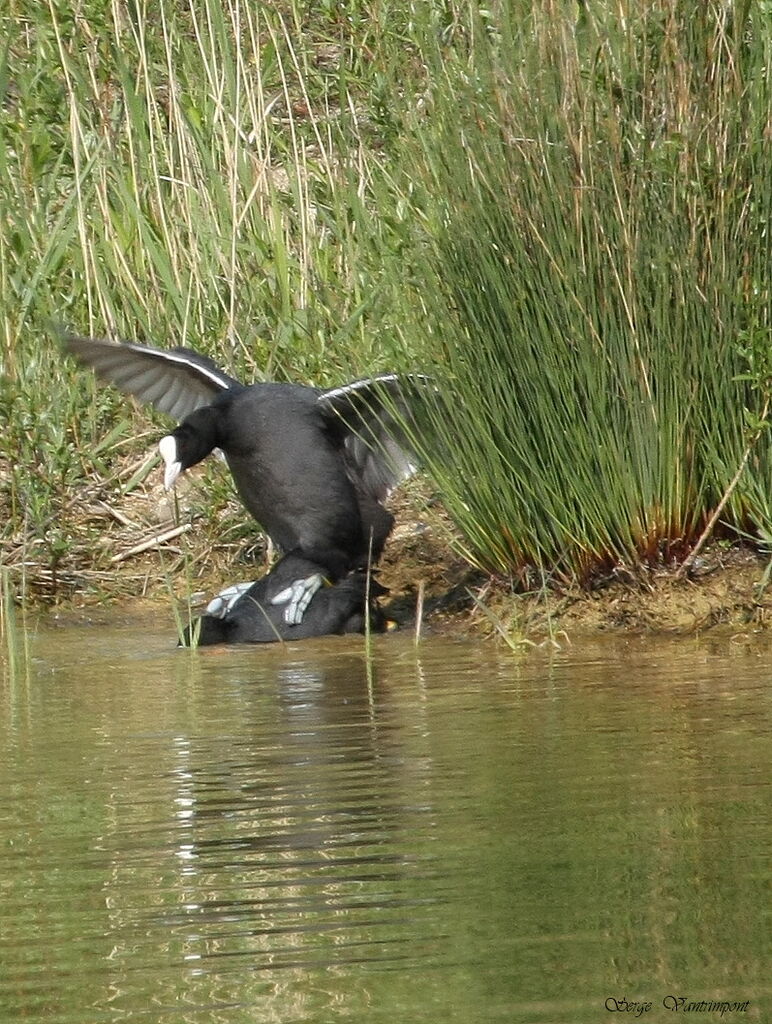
{"type": "Point", "coordinates": [167, 446]}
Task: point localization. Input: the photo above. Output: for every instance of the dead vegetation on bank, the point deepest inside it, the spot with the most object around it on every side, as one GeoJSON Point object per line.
{"type": "Point", "coordinates": [136, 546]}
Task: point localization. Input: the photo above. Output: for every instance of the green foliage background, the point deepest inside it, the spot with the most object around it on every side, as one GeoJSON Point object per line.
{"type": "Point", "coordinates": [561, 210]}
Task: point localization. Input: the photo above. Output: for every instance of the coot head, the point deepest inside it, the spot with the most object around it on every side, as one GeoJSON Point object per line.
{"type": "Point", "coordinates": [190, 442]}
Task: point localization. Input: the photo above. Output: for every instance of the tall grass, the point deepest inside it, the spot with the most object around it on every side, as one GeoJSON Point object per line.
{"type": "Point", "coordinates": [181, 173]}
{"type": "Point", "coordinates": [563, 208]}
{"type": "Point", "coordinates": [14, 636]}
{"type": "Point", "coordinates": [596, 201]}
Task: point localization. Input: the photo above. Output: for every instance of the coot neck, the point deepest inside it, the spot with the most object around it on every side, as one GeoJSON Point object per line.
{"type": "Point", "coordinates": [198, 435]}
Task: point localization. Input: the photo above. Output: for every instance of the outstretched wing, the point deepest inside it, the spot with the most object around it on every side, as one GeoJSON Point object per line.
{"type": "Point", "coordinates": [175, 381]}
{"type": "Point", "coordinates": [378, 418]}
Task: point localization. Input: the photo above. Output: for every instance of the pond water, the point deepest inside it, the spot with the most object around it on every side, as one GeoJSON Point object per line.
{"type": "Point", "coordinates": [442, 833]}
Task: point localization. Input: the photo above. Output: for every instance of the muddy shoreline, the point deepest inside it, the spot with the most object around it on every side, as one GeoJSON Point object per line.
{"type": "Point", "coordinates": [142, 550]}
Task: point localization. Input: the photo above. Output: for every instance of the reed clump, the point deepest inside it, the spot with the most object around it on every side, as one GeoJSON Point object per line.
{"type": "Point", "coordinates": [595, 203]}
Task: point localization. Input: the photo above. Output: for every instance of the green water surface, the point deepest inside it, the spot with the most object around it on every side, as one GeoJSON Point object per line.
{"type": "Point", "coordinates": [447, 833]}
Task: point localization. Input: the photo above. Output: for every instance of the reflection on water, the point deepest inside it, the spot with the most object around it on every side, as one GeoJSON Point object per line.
{"type": "Point", "coordinates": [448, 833]}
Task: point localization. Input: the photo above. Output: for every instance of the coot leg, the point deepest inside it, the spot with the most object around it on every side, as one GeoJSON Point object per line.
{"type": "Point", "coordinates": [299, 593]}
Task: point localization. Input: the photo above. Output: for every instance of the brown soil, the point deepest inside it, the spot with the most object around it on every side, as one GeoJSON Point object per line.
{"type": "Point", "coordinates": [138, 548]}
{"type": "Point", "coordinates": [724, 588]}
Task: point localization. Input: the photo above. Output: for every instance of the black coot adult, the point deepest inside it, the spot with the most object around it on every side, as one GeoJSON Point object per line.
{"type": "Point", "coordinates": [312, 466]}
{"type": "Point", "coordinates": [248, 614]}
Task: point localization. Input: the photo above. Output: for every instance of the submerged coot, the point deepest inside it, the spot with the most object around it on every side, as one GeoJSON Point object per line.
{"type": "Point", "coordinates": [248, 614]}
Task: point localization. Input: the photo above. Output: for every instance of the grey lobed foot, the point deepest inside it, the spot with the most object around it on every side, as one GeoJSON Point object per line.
{"type": "Point", "coordinates": [221, 605]}
{"type": "Point", "coordinates": [297, 596]}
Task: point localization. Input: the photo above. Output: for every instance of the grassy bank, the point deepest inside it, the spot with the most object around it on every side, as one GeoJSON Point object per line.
{"type": "Point", "coordinates": [182, 174]}
{"type": "Point", "coordinates": [562, 210]}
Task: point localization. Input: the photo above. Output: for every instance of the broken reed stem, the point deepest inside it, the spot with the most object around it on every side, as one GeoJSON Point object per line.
{"type": "Point", "coordinates": [419, 612]}
{"type": "Point", "coordinates": [152, 542]}
{"type": "Point", "coordinates": [689, 560]}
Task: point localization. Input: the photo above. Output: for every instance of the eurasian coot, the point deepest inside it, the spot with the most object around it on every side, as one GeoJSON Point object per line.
{"type": "Point", "coordinates": [312, 466]}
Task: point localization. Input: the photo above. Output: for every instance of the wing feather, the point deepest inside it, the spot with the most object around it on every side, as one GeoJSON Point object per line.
{"type": "Point", "coordinates": [378, 418]}
{"type": "Point", "coordinates": [174, 381]}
